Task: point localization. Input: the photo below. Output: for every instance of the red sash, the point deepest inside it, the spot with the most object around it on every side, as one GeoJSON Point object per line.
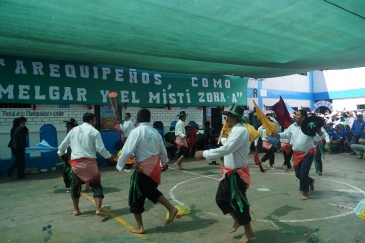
{"type": "Point", "coordinates": [181, 142]}
{"type": "Point", "coordinates": [266, 145]}
{"type": "Point", "coordinates": [244, 173]}
{"type": "Point", "coordinates": [298, 156]}
{"type": "Point", "coordinates": [86, 169]}
{"type": "Point", "coordinates": [152, 168]}
{"type": "Point", "coordinates": [285, 147]}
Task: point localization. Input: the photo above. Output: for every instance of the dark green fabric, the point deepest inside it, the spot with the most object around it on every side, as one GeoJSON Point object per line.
{"type": "Point", "coordinates": [248, 38]}
{"type": "Point", "coordinates": [236, 193]}
{"type": "Point", "coordinates": [134, 191]}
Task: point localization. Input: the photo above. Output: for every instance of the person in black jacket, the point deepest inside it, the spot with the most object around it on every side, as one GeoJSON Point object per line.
{"type": "Point", "coordinates": [17, 144]}
{"type": "Point", "coordinates": [170, 138]}
{"type": "Point", "coordinates": [67, 170]}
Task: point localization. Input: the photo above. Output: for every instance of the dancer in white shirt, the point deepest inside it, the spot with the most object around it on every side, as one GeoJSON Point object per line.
{"type": "Point", "coordinates": [180, 141]}
{"type": "Point", "coordinates": [151, 155]}
{"type": "Point", "coordinates": [231, 193]}
{"type": "Point", "coordinates": [85, 141]}
{"type": "Point", "coordinates": [303, 147]}
{"type": "Point", "coordinates": [127, 127]}
{"type": "Point", "coordinates": [268, 148]}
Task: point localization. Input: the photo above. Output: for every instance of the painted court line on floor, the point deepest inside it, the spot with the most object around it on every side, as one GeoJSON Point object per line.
{"type": "Point", "coordinates": [114, 216]}
{"type": "Point", "coordinates": [270, 221]}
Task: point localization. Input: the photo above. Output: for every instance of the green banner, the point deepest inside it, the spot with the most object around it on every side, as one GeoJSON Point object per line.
{"type": "Point", "coordinates": [36, 81]}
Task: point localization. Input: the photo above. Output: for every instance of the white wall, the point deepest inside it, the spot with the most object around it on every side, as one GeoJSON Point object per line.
{"type": "Point", "coordinates": [299, 83]}
{"type": "Point", "coordinates": [250, 102]}
{"type": "Point", "coordinates": [337, 80]}
{"type": "Point", "coordinates": [291, 102]}
{"type": "Point", "coordinates": [348, 104]}
{"type": "Point", "coordinates": [34, 125]}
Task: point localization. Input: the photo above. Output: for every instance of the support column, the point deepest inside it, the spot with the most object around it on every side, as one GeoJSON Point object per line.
{"type": "Point", "coordinates": [310, 75]}
{"type": "Point", "coordinates": [259, 98]}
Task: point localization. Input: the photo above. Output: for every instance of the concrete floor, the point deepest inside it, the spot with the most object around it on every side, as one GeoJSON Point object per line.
{"type": "Point", "coordinates": [28, 205]}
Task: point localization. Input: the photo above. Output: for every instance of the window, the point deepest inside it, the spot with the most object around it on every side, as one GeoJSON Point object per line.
{"type": "Point", "coordinates": [18, 106]}
{"type": "Point", "coordinates": [361, 107]}
{"type": "Point", "coordinates": [295, 108]}
{"type": "Point", "coordinates": [306, 109]}
{"type": "Point", "coordinates": [268, 108]}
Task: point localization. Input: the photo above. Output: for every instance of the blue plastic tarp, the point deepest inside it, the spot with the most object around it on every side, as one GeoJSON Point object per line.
{"type": "Point", "coordinates": [42, 147]}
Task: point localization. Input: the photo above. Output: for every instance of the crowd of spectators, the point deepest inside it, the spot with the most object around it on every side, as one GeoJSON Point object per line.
{"type": "Point", "coordinates": [346, 131]}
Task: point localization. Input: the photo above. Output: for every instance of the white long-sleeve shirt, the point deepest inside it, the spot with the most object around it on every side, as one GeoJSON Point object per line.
{"type": "Point", "coordinates": [180, 129]}
{"type": "Point", "coordinates": [144, 141]}
{"type": "Point", "coordinates": [85, 141]}
{"type": "Point", "coordinates": [235, 148]}
{"type": "Point", "coordinates": [126, 128]}
{"type": "Point", "coordinates": [263, 135]}
{"type": "Point", "coordinates": [324, 136]}
{"type": "Point", "coordinates": [299, 141]}
{"type": "Point", "coordinates": [282, 140]}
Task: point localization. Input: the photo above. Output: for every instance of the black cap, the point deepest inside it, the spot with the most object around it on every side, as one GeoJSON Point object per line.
{"type": "Point", "coordinates": [311, 125]}
{"type": "Point", "coordinates": [72, 121]}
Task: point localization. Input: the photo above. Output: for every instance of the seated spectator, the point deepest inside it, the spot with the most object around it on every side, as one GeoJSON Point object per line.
{"type": "Point", "coordinates": [329, 128]}
{"type": "Point", "coordinates": [357, 129]}
{"type": "Point", "coordinates": [347, 137]}
{"type": "Point", "coordinates": [207, 134]}
{"type": "Point", "coordinates": [359, 149]}
{"type": "Point", "coordinates": [336, 138]}
{"type": "Point", "coordinates": [170, 138]}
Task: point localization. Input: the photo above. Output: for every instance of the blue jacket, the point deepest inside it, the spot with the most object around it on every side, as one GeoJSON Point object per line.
{"type": "Point", "coordinates": [357, 128]}
{"type": "Point", "coordinates": [336, 136]}
{"type": "Point", "coordinates": [348, 135]}
{"type": "Point", "coordinates": [329, 132]}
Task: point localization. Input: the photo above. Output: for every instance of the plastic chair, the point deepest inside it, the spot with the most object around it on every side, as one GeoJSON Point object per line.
{"type": "Point", "coordinates": [173, 124]}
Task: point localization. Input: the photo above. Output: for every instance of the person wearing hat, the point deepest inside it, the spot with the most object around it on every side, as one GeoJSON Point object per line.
{"type": "Point", "coordinates": [347, 137]}
{"type": "Point", "coordinates": [329, 128]}
{"type": "Point", "coordinates": [359, 149]}
{"type": "Point", "coordinates": [301, 135]}
{"type": "Point", "coordinates": [127, 127]}
{"type": "Point", "coordinates": [85, 141]}
{"type": "Point", "coordinates": [336, 140]}
{"type": "Point", "coordinates": [151, 159]}
{"type": "Point", "coordinates": [235, 172]}
{"type": "Point", "coordinates": [66, 174]}
{"type": "Point", "coordinates": [357, 129]}
{"type": "Point", "coordinates": [181, 141]}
